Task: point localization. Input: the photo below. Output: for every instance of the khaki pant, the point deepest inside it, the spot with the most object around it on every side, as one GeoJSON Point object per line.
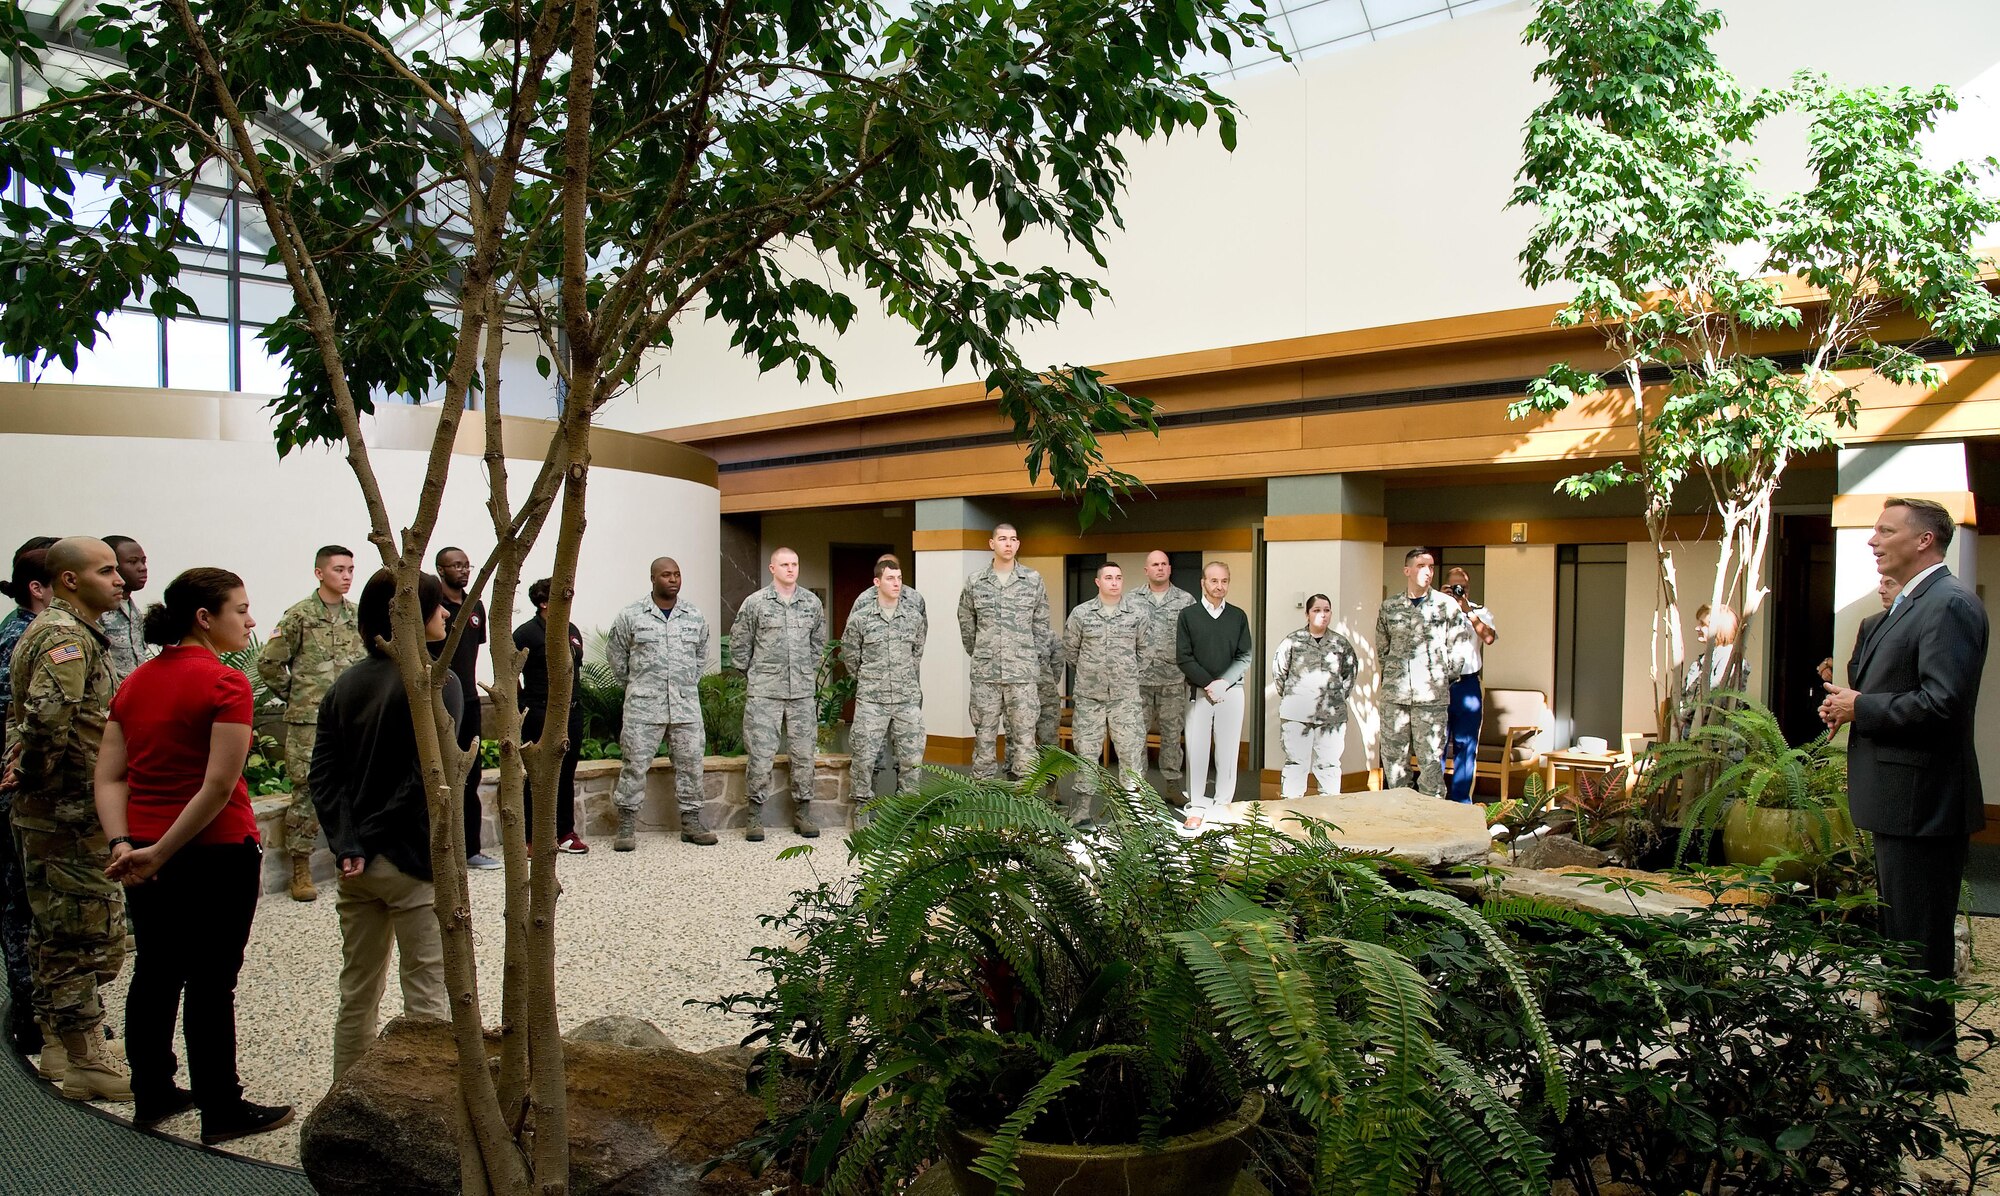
{"type": "Point", "coordinates": [1018, 706]}
{"type": "Point", "coordinates": [378, 906]}
{"type": "Point", "coordinates": [301, 819]}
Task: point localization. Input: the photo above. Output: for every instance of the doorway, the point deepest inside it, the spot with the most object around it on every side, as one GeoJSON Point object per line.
{"type": "Point", "coordinates": [1801, 606]}
{"type": "Point", "coordinates": [1590, 643]}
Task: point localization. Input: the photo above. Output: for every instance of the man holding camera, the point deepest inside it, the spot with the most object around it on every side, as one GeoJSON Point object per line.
{"type": "Point", "coordinates": [1468, 706]}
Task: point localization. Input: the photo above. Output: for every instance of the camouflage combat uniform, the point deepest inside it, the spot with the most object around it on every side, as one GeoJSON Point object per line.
{"type": "Point", "coordinates": [777, 643]}
{"type": "Point", "coordinates": [1048, 719]}
{"type": "Point", "coordinates": [60, 692]}
{"type": "Point", "coordinates": [1313, 676]}
{"type": "Point", "coordinates": [885, 654]}
{"type": "Point", "coordinates": [1163, 691]}
{"type": "Point", "coordinates": [1005, 628]}
{"type": "Point", "coordinates": [1105, 645]}
{"type": "Point", "coordinates": [14, 916]}
{"type": "Point", "coordinates": [124, 632]}
{"type": "Point", "coordinates": [1419, 650]}
{"type": "Point", "coordinates": [660, 655]}
{"type": "Point", "coordinates": [308, 650]}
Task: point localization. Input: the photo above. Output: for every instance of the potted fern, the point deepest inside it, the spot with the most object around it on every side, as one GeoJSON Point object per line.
{"type": "Point", "coordinates": [1034, 1006]}
{"type": "Point", "coordinates": [1765, 796]}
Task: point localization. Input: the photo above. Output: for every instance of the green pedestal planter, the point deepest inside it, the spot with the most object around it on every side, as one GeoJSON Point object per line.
{"type": "Point", "coordinates": [1753, 836]}
{"type": "Point", "coordinates": [1207, 1162]}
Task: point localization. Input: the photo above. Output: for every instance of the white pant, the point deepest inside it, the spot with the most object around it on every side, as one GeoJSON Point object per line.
{"type": "Point", "coordinates": [1310, 745]}
{"type": "Point", "coordinates": [1218, 725]}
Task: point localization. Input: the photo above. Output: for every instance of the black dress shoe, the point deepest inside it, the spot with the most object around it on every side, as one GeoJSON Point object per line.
{"type": "Point", "coordinates": [149, 1111]}
{"type": "Point", "coordinates": [242, 1121]}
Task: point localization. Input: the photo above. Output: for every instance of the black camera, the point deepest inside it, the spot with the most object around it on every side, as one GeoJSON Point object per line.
{"type": "Point", "coordinates": [1457, 591]}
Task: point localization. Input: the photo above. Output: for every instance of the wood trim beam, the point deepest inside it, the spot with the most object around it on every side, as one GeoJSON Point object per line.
{"type": "Point", "coordinates": [1373, 529]}
{"type": "Point", "coordinates": [1861, 510]}
{"type": "Point", "coordinates": [1607, 530]}
{"type": "Point", "coordinates": [1223, 539]}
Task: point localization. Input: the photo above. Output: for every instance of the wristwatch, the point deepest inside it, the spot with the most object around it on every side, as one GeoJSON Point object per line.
{"type": "Point", "coordinates": [125, 839]}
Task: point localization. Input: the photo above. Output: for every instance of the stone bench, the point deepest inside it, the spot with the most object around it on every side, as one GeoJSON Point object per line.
{"type": "Point", "coordinates": [725, 806]}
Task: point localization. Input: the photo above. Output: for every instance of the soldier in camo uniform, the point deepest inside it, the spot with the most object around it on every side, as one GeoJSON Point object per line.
{"type": "Point", "coordinates": [1163, 691]}
{"type": "Point", "coordinates": [659, 649]}
{"type": "Point", "coordinates": [1314, 669]}
{"type": "Point", "coordinates": [60, 679]}
{"type": "Point", "coordinates": [884, 651]}
{"type": "Point", "coordinates": [1419, 636]}
{"type": "Point", "coordinates": [1003, 620]}
{"type": "Point", "coordinates": [31, 588]}
{"type": "Point", "coordinates": [776, 640]}
{"type": "Point", "coordinates": [120, 624]}
{"type": "Point", "coordinates": [314, 642]}
{"type": "Point", "coordinates": [1104, 639]}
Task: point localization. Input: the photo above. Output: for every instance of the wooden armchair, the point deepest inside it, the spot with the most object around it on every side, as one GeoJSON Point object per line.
{"type": "Point", "coordinates": [1513, 735]}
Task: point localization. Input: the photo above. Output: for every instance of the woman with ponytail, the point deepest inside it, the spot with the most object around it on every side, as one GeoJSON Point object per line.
{"type": "Point", "coordinates": [30, 588]}
{"type": "Point", "coordinates": [183, 837]}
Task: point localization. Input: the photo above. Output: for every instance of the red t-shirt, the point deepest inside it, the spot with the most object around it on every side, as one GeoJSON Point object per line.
{"type": "Point", "coordinates": [167, 709]}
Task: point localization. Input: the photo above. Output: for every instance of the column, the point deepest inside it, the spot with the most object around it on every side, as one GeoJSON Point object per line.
{"type": "Point", "coordinates": [1323, 534]}
{"type": "Point", "coordinates": [950, 545]}
{"type": "Point", "coordinates": [1933, 470]}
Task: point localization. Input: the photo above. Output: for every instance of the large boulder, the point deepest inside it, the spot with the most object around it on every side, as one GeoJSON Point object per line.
{"type": "Point", "coordinates": [1427, 831]}
{"type": "Point", "coordinates": [642, 1122]}
{"type": "Point", "coordinates": [620, 1029]}
{"type": "Point", "coordinates": [1556, 851]}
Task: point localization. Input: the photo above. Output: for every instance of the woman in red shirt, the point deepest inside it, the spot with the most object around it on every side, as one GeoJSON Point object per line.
{"type": "Point", "coordinates": [171, 796]}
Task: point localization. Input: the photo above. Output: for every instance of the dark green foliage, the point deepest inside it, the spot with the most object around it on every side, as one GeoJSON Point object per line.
{"type": "Point", "coordinates": [722, 697]}
{"type": "Point", "coordinates": [772, 166]}
{"type": "Point", "coordinates": [1740, 1060]}
{"type": "Point", "coordinates": [600, 701]}
{"type": "Point", "coordinates": [993, 966]}
{"type": "Point", "coordinates": [834, 685]}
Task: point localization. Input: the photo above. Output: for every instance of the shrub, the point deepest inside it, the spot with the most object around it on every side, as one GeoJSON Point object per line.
{"type": "Point", "coordinates": [722, 697]}
{"type": "Point", "coordinates": [1740, 1059]}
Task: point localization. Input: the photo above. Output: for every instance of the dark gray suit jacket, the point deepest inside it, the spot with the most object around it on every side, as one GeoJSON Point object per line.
{"type": "Point", "coordinates": [1911, 765]}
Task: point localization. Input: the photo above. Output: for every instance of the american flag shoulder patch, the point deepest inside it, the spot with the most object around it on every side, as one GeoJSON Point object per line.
{"type": "Point", "coordinates": [64, 653]}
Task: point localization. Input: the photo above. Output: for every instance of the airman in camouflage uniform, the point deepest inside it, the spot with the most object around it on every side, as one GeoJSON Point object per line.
{"type": "Point", "coordinates": [911, 599]}
{"type": "Point", "coordinates": [1003, 620]}
{"type": "Point", "coordinates": [1419, 648]}
{"type": "Point", "coordinates": [122, 626]}
{"type": "Point", "coordinates": [1104, 640]}
{"type": "Point", "coordinates": [1314, 669]}
{"type": "Point", "coordinates": [776, 640]}
{"type": "Point", "coordinates": [1163, 691]}
{"type": "Point", "coordinates": [314, 642]}
{"type": "Point", "coordinates": [61, 687]}
{"type": "Point", "coordinates": [884, 650]}
{"type": "Point", "coordinates": [659, 649]}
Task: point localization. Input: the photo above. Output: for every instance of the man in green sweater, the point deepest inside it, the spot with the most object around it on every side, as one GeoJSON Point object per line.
{"type": "Point", "coordinates": [1212, 645]}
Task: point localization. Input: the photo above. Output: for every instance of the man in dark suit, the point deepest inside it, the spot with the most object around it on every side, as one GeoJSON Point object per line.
{"type": "Point", "coordinates": [1912, 772]}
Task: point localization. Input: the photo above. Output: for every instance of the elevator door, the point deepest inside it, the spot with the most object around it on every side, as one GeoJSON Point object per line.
{"type": "Point", "coordinates": [1590, 642]}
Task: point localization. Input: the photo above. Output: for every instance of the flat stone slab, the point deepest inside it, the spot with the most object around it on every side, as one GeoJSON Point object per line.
{"type": "Point", "coordinates": [1571, 889]}
{"type": "Point", "coordinates": [1427, 831]}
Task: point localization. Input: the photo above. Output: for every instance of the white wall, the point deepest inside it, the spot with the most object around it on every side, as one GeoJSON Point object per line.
{"type": "Point", "coordinates": [1369, 187]}
{"type": "Point", "coordinates": [234, 504]}
{"type": "Point", "coordinates": [1520, 591]}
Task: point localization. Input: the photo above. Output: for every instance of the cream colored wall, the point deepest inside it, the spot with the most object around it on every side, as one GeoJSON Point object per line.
{"type": "Point", "coordinates": [235, 505]}
{"type": "Point", "coordinates": [1361, 193]}
{"type": "Point", "coordinates": [1521, 593]}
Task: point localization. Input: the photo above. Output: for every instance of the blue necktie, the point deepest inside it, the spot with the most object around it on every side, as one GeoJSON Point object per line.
{"type": "Point", "coordinates": [1898, 602]}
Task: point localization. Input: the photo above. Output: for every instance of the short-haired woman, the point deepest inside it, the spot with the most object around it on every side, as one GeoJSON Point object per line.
{"type": "Point", "coordinates": [531, 639]}
{"type": "Point", "coordinates": [368, 788]}
{"type": "Point", "coordinates": [29, 587]}
{"type": "Point", "coordinates": [171, 796]}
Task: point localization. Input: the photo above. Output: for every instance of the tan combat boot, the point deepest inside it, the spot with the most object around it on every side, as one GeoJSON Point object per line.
{"type": "Point", "coordinates": [94, 1073]}
{"type": "Point", "coordinates": [802, 824]}
{"type": "Point", "coordinates": [753, 829]}
{"type": "Point", "coordinates": [628, 825]}
{"type": "Point", "coordinates": [53, 1063]}
{"type": "Point", "coordinates": [302, 879]}
{"type": "Point", "coordinates": [694, 830]}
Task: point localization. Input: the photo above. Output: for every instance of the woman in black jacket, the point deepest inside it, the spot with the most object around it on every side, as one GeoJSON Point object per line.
{"type": "Point", "coordinates": [369, 791]}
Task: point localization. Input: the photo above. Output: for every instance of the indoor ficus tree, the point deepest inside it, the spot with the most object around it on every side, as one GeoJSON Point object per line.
{"type": "Point", "coordinates": [585, 174]}
{"type": "Point", "coordinates": [1649, 211]}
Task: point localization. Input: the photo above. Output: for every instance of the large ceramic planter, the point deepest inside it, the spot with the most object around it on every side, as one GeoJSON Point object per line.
{"type": "Point", "coordinates": [1753, 836]}
{"type": "Point", "coordinates": [1207, 1162]}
